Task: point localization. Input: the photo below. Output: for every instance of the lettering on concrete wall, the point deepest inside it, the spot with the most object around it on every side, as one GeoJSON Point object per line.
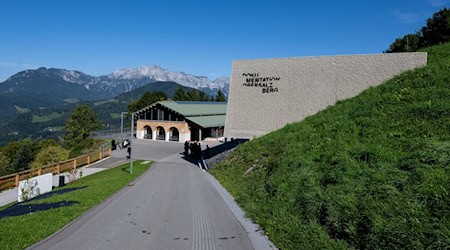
{"type": "Point", "coordinates": [265, 83]}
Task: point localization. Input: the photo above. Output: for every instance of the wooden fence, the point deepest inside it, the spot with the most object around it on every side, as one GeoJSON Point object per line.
{"type": "Point", "coordinates": [12, 180]}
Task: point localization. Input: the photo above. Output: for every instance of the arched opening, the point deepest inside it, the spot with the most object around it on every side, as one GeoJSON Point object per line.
{"type": "Point", "coordinates": [147, 132]}
{"type": "Point", "coordinates": [160, 133]}
{"type": "Point", "coordinates": [174, 135]}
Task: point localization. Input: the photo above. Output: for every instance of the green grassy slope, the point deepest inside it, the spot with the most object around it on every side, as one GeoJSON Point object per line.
{"type": "Point", "coordinates": [370, 172]}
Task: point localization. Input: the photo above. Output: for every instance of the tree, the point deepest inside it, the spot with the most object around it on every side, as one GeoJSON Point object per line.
{"type": "Point", "coordinates": [220, 97]}
{"type": "Point", "coordinates": [80, 123]}
{"type": "Point", "coordinates": [437, 30]}
{"type": "Point", "coordinates": [51, 154]}
{"type": "Point", "coordinates": [190, 95]}
{"type": "Point", "coordinates": [180, 95]}
{"type": "Point", "coordinates": [147, 99]}
{"type": "Point", "coordinates": [22, 159]}
{"type": "Point", "coordinates": [407, 43]}
{"type": "Point", "coordinates": [4, 164]}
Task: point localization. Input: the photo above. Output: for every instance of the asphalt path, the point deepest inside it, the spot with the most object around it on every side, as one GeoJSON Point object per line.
{"type": "Point", "coordinates": [171, 206]}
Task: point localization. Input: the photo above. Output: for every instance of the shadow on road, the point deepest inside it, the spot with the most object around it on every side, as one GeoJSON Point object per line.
{"type": "Point", "coordinates": [214, 154]}
{"type": "Point", "coordinates": [222, 148]}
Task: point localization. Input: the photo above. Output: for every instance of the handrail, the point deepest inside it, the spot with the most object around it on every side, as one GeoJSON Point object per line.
{"type": "Point", "coordinates": [12, 180]}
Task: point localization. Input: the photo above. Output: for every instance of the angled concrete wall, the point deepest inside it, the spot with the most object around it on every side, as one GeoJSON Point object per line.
{"type": "Point", "coordinates": [267, 94]}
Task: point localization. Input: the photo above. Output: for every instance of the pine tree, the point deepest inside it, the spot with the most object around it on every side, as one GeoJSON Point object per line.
{"type": "Point", "coordinates": [22, 159]}
{"type": "Point", "coordinates": [179, 95]}
{"type": "Point", "coordinates": [220, 97]}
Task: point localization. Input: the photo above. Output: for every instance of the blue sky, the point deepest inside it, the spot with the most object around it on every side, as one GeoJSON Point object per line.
{"type": "Point", "coordinates": [196, 37]}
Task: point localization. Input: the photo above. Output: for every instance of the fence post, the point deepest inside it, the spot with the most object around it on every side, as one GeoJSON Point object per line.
{"type": "Point", "coordinates": [75, 163]}
{"type": "Point", "coordinates": [89, 159]}
{"type": "Point", "coordinates": [40, 171]}
{"type": "Point", "coordinates": [109, 151]}
{"type": "Point", "coordinates": [17, 180]}
{"type": "Point", "coordinates": [100, 155]}
{"type": "Point", "coordinates": [58, 168]}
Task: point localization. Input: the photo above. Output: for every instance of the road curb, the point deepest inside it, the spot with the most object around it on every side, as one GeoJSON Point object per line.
{"type": "Point", "coordinates": [86, 216]}
{"type": "Point", "coordinates": [255, 234]}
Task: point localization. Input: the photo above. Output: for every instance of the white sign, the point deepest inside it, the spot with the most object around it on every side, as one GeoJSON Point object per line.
{"type": "Point", "coordinates": [35, 186]}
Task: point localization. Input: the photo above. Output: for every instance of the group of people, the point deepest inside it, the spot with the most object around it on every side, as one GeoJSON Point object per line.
{"type": "Point", "coordinates": [125, 144]}
{"type": "Point", "coordinates": [193, 149]}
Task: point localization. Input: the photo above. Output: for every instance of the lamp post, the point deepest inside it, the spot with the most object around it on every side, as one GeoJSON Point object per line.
{"type": "Point", "coordinates": [131, 140]}
{"type": "Point", "coordinates": [121, 124]}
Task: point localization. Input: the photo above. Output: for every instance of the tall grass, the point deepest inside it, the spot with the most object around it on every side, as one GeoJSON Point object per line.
{"type": "Point", "coordinates": [369, 172]}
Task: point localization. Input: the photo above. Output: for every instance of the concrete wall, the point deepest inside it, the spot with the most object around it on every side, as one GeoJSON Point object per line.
{"type": "Point", "coordinates": [267, 94]}
{"type": "Point", "coordinates": [35, 186]}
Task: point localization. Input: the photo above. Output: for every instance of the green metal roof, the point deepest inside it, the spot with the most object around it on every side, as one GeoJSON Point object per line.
{"type": "Point", "coordinates": [196, 108]}
{"type": "Point", "coordinates": [209, 121]}
{"type": "Point", "coordinates": [205, 114]}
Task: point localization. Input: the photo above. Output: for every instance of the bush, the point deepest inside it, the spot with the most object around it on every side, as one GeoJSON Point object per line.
{"type": "Point", "coordinates": [49, 155]}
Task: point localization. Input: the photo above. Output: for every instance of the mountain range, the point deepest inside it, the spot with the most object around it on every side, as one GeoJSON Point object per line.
{"type": "Point", "coordinates": [42, 87]}
{"type": "Point", "coordinates": [116, 83]}
{"type": "Point", "coordinates": [36, 103]}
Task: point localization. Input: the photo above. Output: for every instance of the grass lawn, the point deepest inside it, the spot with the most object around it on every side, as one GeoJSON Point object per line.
{"type": "Point", "coordinates": [113, 100]}
{"type": "Point", "coordinates": [45, 118]}
{"type": "Point", "coordinates": [27, 223]}
{"type": "Point", "coordinates": [115, 115]}
{"type": "Point", "coordinates": [371, 172]}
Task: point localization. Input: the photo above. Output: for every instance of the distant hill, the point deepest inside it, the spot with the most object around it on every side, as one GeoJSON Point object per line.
{"type": "Point", "coordinates": [30, 90]}
{"type": "Point", "coordinates": [48, 122]}
{"type": "Point", "coordinates": [371, 172]}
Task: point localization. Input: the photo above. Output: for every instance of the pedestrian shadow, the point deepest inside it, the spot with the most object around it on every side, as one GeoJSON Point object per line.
{"type": "Point", "coordinates": [208, 155]}
{"type": "Point", "coordinates": [19, 209]}
{"type": "Point", "coordinates": [218, 149]}
{"type": "Point", "coordinates": [126, 169]}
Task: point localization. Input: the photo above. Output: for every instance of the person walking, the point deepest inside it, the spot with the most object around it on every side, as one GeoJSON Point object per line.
{"type": "Point", "coordinates": [207, 152]}
{"type": "Point", "coordinates": [129, 152]}
{"type": "Point", "coordinates": [186, 148]}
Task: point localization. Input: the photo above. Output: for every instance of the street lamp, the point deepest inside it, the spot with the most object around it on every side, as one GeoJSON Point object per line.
{"type": "Point", "coordinates": [121, 125]}
{"type": "Point", "coordinates": [131, 140]}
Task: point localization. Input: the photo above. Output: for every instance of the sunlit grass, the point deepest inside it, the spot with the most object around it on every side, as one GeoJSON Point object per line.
{"type": "Point", "coordinates": [371, 172]}
{"type": "Point", "coordinates": [27, 223]}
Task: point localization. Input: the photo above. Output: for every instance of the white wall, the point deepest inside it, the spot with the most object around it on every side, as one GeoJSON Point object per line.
{"type": "Point", "coordinates": [35, 186]}
{"type": "Point", "coordinates": [302, 86]}
{"type": "Point", "coordinates": [140, 134]}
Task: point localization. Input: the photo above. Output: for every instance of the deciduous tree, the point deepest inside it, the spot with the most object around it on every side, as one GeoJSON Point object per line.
{"type": "Point", "coordinates": [80, 123]}
{"type": "Point", "coordinates": [51, 154]}
{"type": "Point", "coordinates": [4, 164]}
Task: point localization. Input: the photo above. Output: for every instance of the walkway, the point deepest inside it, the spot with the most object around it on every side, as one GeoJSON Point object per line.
{"type": "Point", "coordinates": [174, 205]}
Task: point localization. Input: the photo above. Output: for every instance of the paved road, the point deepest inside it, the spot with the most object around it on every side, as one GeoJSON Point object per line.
{"type": "Point", "coordinates": [172, 206]}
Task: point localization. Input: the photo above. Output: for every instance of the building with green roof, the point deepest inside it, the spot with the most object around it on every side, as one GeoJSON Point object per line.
{"type": "Point", "coordinates": [181, 121]}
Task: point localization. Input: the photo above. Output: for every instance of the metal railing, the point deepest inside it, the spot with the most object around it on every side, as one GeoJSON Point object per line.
{"type": "Point", "coordinates": [12, 180]}
{"type": "Point", "coordinates": [111, 134]}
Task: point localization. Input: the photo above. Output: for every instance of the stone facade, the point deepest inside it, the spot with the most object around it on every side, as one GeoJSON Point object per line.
{"type": "Point", "coordinates": [155, 127]}
{"type": "Point", "coordinates": [267, 94]}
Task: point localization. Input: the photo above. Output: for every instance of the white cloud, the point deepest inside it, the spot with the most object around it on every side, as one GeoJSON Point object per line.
{"type": "Point", "coordinates": [404, 17]}
{"type": "Point", "coordinates": [437, 3]}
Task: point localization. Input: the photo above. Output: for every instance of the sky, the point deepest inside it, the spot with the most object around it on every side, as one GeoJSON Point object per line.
{"type": "Point", "coordinates": [197, 37]}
